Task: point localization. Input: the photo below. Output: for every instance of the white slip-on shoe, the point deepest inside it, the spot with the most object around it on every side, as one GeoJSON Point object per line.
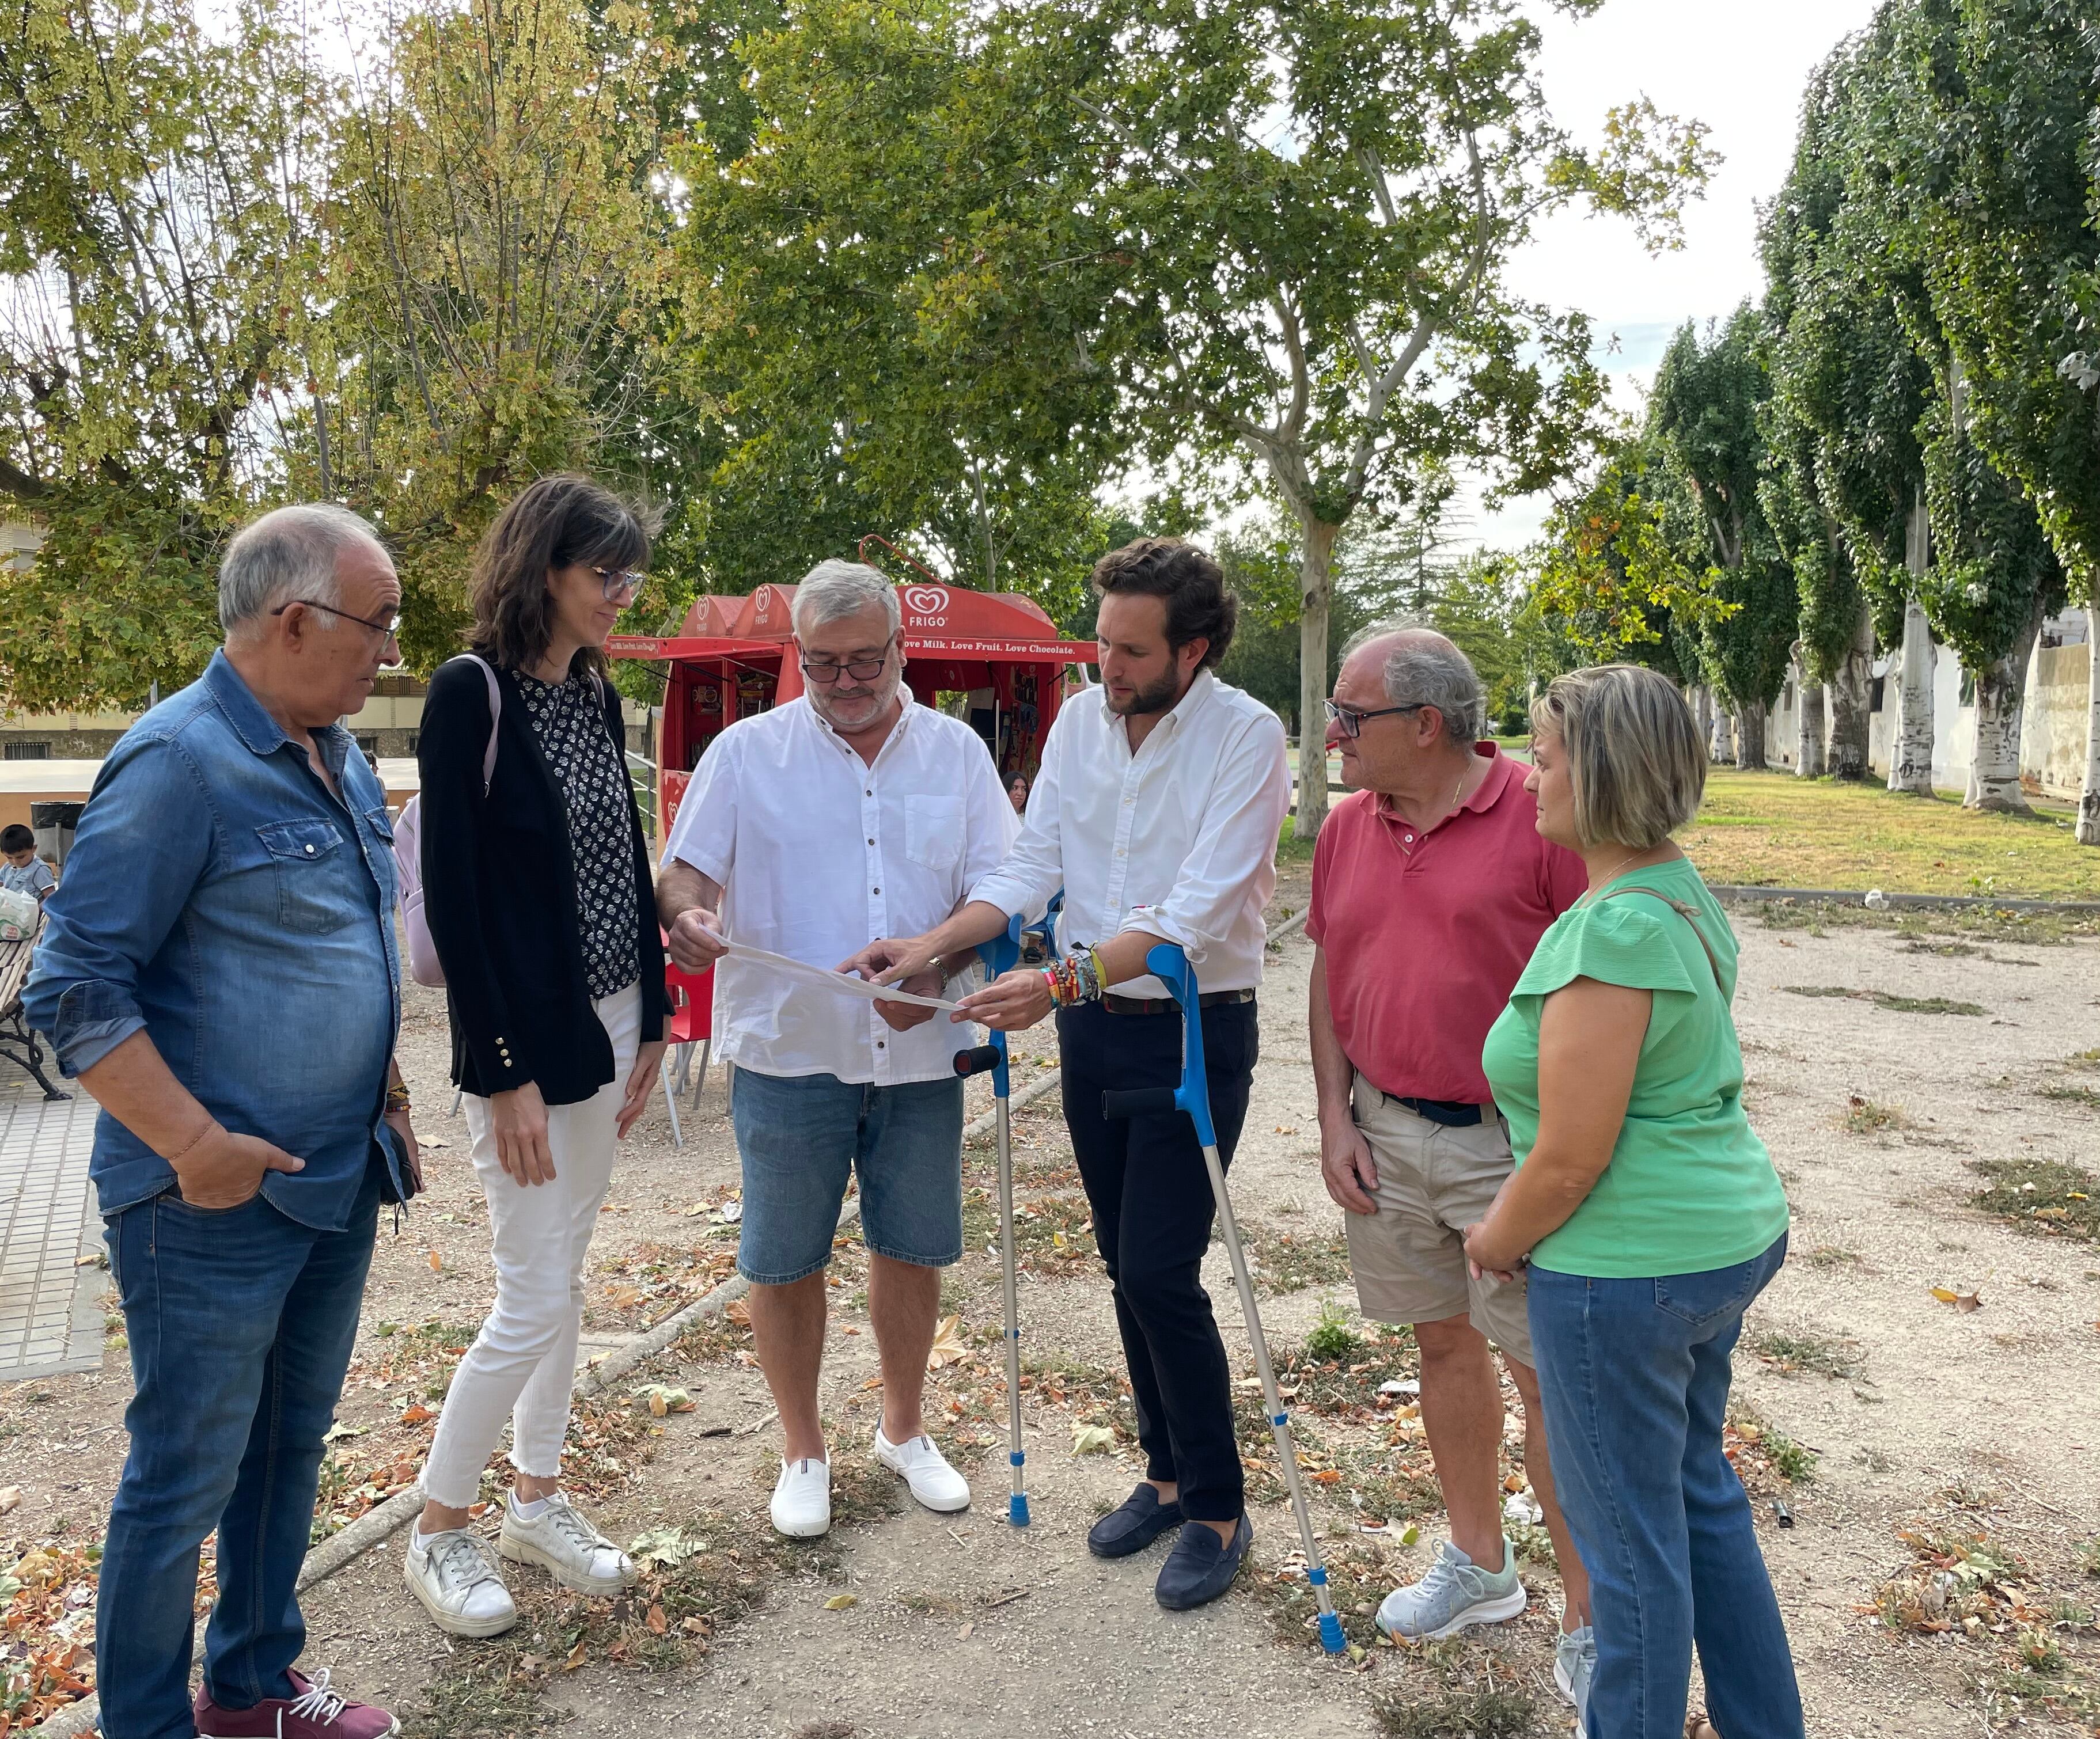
{"type": "Point", "coordinates": [802, 1499]}
{"type": "Point", "coordinates": [560, 1541]}
{"type": "Point", "coordinates": [926, 1469]}
{"type": "Point", "coordinates": [456, 1577]}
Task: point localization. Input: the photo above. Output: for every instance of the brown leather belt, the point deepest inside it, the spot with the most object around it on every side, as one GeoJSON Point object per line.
{"type": "Point", "coordinates": [1168, 1005]}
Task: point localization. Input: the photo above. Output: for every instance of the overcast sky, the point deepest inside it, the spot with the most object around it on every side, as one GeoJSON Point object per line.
{"type": "Point", "coordinates": [1740, 70]}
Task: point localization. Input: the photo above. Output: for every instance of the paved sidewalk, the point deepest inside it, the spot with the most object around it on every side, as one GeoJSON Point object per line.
{"type": "Point", "coordinates": [51, 1317]}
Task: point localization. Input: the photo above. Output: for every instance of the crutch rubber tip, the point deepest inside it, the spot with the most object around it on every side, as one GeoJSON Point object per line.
{"type": "Point", "coordinates": [1331, 1638]}
{"type": "Point", "coordinates": [1017, 1509]}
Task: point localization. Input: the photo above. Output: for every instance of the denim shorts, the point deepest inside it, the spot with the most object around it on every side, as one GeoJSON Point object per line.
{"type": "Point", "coordinates": [801, 1136]}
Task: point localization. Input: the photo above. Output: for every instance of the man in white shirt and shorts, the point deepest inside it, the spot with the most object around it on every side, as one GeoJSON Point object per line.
{"type": "Point", "coordinates": [1157, 809]}
{"type": "Point", "coordinates": [824, 1085]}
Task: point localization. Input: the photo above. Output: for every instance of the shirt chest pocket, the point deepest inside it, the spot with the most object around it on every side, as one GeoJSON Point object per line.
{"type": "Point", "coordinates": [933, 831]}
{"type": "Point", "coordinates": [308, 863]}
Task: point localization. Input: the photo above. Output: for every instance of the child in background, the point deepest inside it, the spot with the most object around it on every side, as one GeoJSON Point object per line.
{"type": "Point", "coordinates": [23, 871]}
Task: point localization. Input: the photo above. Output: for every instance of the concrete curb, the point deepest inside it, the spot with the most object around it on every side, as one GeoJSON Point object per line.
{"type": "Point", "coordinates": [1855, 896]}
{"type": "Point", "coordinates": [380, 1522]}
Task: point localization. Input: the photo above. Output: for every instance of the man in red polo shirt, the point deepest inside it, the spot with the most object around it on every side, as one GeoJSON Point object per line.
{"type": "Point", "coordinates": [1430, 886]}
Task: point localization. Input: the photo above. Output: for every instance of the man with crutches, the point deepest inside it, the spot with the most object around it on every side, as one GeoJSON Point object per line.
{"type": "Point", "coordinates": [1157, 808]}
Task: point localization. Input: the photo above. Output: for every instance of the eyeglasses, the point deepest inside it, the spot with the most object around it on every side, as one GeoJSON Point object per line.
{"type": "Point", "coordinates": [1351, 721]}
{"type": "Point", "coordinates": [389, 629]}
{"type": "Point", "coordinates": [617, 580]}
{"type": "Point", "coordinates": [828, 670]}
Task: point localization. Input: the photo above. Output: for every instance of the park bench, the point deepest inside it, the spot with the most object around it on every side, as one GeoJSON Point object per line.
{"type": "Point", "coordinates": [18, 1044]}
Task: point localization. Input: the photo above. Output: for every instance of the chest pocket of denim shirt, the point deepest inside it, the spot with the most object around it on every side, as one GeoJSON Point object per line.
{"type": "Point", "coordinates": [381, 825]}
{"type": "Point", "coordinates": [933, 831]}
{"type": "Point", "coordinates": [308, 858]}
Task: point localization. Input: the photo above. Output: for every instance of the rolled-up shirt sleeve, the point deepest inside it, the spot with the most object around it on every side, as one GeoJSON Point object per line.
{"type": "Point", "coordinates": [145, 838]}
{"type": "Point", "coordinates": [1233, 858]}
{"type": "Point", "coordinates": [1033, 867]}
{"type": "Point", "coordinates": [703, 836]}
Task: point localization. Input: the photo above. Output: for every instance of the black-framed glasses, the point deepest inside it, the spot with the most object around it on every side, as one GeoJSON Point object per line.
{"type": "Point", "coordinates": [614, 581]}
{"type": "Point", "coordinates": [389, 629]}
{"type": "Point", "coordinates": [1351, 721]}
{"type": "Point", "coordinates": [828, 670]}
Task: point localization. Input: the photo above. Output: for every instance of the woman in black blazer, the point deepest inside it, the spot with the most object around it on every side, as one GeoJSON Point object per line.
{"type": "Point", "coordinates": [540, 903]}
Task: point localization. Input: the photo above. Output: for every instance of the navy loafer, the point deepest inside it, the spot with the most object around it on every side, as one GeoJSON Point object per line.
{"type": "Point", "coordinates": [1140, 1520]}
{"type": "Point", "coordinates": [1201, 1567]}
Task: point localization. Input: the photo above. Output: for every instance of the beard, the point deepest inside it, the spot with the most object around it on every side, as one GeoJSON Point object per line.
{"type": "Point", "coordinates": [1157, 698]}
{"type": "Point", "coordinates": [860, 705]}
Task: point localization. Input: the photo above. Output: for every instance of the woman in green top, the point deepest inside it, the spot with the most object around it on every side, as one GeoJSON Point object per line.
{"type": "Point", "coordinates": [1649, 1212]}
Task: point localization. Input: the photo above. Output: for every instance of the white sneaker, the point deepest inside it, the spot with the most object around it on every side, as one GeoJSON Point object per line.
{"type": "Point", "coordinates": [926, 1469]}
{"type": "Point", "coordinates": [802, 1499]}
{"type": "Point", "coordinates": [562, 1542]}
{"type": "Point", "coordinates": [455, 1575]}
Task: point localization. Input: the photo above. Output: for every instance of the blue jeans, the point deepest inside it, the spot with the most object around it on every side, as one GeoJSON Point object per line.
{"type": "Point", "coordinates": [1634, 1375]}
{"type": "Point", "coordinates": [801, 1137]}
{"type": "Point", "coordinates": [241, 1323]}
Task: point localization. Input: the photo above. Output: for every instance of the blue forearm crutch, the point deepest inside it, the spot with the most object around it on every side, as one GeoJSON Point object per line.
{"type": "Point", "coordinates": [1169, 965]}
{"type": "Point", "coordinates": [1000, 955]}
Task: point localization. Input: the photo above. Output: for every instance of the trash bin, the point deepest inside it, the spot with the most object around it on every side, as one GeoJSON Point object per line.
{"type": "Point", "coordinates": [53, 824]}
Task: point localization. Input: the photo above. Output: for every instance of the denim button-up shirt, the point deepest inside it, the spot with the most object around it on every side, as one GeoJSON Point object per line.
{"type": "Point", "coordinates": [221, 899]}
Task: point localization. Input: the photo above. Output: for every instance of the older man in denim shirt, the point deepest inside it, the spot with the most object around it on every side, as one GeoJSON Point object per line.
{"type": "Point", "coordinates": [219, 971]}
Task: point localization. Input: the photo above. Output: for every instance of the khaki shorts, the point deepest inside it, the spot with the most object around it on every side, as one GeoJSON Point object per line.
{"type": "Point", "coordinates": [1433, 1181]}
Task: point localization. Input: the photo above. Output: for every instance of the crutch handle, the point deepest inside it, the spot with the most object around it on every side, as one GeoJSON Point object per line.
{"type": "Point", "coordinates": [1137, 1102]}
{"type": "Point", "coordinates": [975, 1062]}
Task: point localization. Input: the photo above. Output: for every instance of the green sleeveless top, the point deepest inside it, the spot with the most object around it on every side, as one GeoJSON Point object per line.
{"type": "Point", "coordinates": [1690, 1186]}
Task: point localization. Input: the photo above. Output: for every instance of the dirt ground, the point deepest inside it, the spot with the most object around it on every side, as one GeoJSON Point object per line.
{"type": "Point", "coordinates": [1924, 1438]}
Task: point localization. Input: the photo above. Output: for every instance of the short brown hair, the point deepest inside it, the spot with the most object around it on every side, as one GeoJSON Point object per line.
{"type": "Point", "coordinates": [1635, 764]}
{"type": "Point", "coordinates": [1190, 584]}
{"type": "Point", "coordinates": [555, 521]}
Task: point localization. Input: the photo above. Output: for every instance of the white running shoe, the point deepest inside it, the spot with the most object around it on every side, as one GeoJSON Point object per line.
{"type": "Point", "coordinates": [926, 1469]}
{"type": "Point", "coordinates": [1574, 1662]}
{"type": "Point", "coordinates": [560, 1541]}
{"type": "Point", "coordinates": [456, 1577]}
{"type": "Point", "coordinates": [802, 1499]}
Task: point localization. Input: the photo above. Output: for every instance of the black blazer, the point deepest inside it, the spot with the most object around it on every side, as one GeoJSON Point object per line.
{"type": "Point", "coordinates": [500, 895]}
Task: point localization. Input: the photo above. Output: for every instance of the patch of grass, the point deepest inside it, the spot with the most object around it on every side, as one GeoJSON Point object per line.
{"type": "Point", "coordinates": [2086, 1096]}
{"type": "Point", "coordinates": [1497, 1712]}
{"type": "Point", "coordinates": [1888, 1000]}
{"type": "Point", "coordinates": [1830, 1256]}
{"type": "Point", "coordinates": [1865, 1117]}
{"type": "Point", "coordinates": [1762, 1453]}
{"type": "Point", "coordinates": [2089, 1558]}
{"type": "Point", "coordinates": [1771, 830]}
{"type": "Point", "coordinates": [1294, 1260]}
{"type": "Point", "coordinates": [2040, 1195]}
{"type": "Point", "coordinates": [1052, 1233]}
{"type": "Point", "coordinates": [489, 1689]}
{"type": "Point", "coordinates": [1793, 1353]}
{"type": "Point", "coordinates": [1951, 1580]}
{"type": "Point", "coordinates": [1982, 923]}
{"type": "Point", "coordinates": [1332, 1339]}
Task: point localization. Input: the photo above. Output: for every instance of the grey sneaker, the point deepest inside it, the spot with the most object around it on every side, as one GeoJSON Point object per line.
{"type": "Point", "coordinates": [1574, 1659]}
{"type": "Point", "coordinates": [1455, 1594]}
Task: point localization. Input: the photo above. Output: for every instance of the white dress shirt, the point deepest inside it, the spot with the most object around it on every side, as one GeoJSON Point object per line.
{"type": "Point", "coordinates": [1178, 839]}
{"type": "Point", "coordinates": [817, 854]}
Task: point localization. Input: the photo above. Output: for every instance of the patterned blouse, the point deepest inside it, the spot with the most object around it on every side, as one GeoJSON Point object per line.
{"type": "Point", "coordinates": [570, 724]}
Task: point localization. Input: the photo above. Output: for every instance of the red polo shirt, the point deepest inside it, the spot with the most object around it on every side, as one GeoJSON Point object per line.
{"type": "Point", "coordinates": [1425, 934]}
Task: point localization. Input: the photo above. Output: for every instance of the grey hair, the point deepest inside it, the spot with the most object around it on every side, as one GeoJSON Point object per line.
{"type": "Point", "coordinates": [1425, 669]}
{"type": "Point", "coordinates": [288, 554]}
{"type": "Point", "coordinates": [835, 589]}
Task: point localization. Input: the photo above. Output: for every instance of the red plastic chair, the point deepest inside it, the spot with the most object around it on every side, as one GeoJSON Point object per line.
{"type": "Point", "coordinates": [690, 998]}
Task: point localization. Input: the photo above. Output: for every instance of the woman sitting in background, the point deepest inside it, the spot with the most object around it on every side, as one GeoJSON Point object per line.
{"type": "Point", "coordinates": [1650, 1213]}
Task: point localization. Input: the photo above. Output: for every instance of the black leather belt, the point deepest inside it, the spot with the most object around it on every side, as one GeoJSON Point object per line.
{"type": "Point", "coordinates": [1454, 1114]}
{"type": "Point", "coordinates": [1168, 1005]}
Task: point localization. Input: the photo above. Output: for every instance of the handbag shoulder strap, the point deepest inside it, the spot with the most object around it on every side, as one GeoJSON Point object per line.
{"type": "Point", "coordinates": [495, 718]}
{"type": "Point", "coordinates": [1685, 910]}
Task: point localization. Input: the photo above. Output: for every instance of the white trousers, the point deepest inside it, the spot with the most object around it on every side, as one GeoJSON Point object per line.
{"type": "Point", "coordinates": [523, 1364]}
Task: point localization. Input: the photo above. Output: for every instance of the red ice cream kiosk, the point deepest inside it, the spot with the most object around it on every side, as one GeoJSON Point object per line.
{"type": "Point", "coordinates": [733, 657]}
